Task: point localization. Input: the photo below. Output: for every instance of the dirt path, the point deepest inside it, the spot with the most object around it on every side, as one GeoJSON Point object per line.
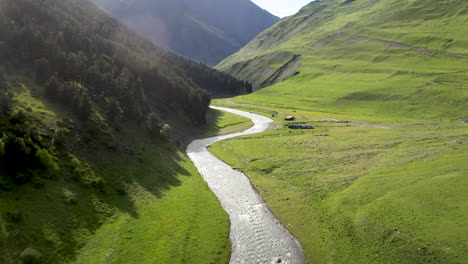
{"type": "Point", "coordinates": [404, 46]}
{"type": "Point", "coordinates": [256, 234]}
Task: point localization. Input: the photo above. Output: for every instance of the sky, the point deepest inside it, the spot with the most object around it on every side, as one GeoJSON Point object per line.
{"type": "Point", "coordinates": [282, 8]}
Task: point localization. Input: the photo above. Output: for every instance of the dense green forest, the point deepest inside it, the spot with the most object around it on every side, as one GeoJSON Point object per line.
{"type": "Point", "coordinates": [96, 68]}
{"type": "Point", "coordinates": [77, 87]}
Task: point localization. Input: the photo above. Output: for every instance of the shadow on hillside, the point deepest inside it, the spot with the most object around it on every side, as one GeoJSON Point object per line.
{"type": "Point", "coordinates": [186, 135]}
{"type": "Point", "coordinates": [56, 218]}
{"type": "Point", "coordinates": [212, 118]}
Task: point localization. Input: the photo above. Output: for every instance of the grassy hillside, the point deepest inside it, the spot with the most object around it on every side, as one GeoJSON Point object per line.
{"type": "Point", "coordinates": [153, 206]}
{"type": "Point", "coordinates": [204, 30]}
{"type": "Point", "coordinates": [384, 58]}
{"type": "Point", "coordinates": [89, 172]}
{"type": "Point", "coordinates": [143, 201]}
{"type": "Point", "coordinates": [389, 184]}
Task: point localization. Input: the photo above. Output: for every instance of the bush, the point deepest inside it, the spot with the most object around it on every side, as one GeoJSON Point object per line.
{"type": "Point", "coordinates": [47, 161]}
{"type": "Point", "coordinates": [30, 256]}
{"type": "Point", "coordinates": [165, 130]}
{"type": "Point", "coordinates": [70, 197]}
{"type": "Point", "coordinates": [84, 174]}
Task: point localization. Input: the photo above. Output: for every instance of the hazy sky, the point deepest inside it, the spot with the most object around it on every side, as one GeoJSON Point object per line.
{"type": "Point", "coordinates": [282, 8]}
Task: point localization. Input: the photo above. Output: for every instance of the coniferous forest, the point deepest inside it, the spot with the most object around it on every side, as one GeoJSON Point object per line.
{"type": "Point", "coordinates": [93, 119]}
{"type": "Point", "coordinates": [102, 73]}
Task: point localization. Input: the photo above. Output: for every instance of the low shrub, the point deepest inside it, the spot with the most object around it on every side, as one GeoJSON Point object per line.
{"type": "Point", "coordinates": [70, 197]}
{"type": "Point", "coordinates": [84, 174]}
{"type": "Point", "coordinates": [31, 256]}
{"type": "Point", "coordinates": [165, 130]}
{"type": "Point", "coordinates": [47, 162]}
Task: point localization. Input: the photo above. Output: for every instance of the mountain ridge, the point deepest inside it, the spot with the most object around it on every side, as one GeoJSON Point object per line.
{"type": "Point", "coordinates": [207, 30]}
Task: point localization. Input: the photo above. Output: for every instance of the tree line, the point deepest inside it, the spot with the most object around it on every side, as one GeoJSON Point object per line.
{"type": "Point", "coordinates": [97, 70]}
{"type": "Point", "coordinates": [98, 61]}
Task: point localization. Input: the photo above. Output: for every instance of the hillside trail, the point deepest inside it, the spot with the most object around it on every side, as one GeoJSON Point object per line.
{"type": "Point", "coordinates": [256, 234]}
{"type": "Point", "coordinates": [400, 45]}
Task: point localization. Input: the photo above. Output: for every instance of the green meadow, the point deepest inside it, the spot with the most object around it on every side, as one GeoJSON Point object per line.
{"type": "Point", "coordinates": [179, 223]}
{"type": "Point", "coordinates": [221, 123]}
{"type": "Point", "coordinates": [155, 208]}
{"type": "Point", "coordinates": [375, 190]}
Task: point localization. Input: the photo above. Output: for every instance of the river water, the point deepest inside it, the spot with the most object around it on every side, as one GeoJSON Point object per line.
{"type": "Point", "coordinates": [256, 234]}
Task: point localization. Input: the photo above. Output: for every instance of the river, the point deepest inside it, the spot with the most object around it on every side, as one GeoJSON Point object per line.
{"type": "Point", "coordinates": [256, 234]}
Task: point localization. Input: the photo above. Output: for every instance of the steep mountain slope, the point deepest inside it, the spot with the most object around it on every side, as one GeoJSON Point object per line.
{"type": "Point", "coordinates": [368, 56]}
{"type": "Point", "coordinates": [86, 109]}
{"type": "Point", "coordinates": [382, 177]}
{"type": "Point", "coordinates": [205, 30]}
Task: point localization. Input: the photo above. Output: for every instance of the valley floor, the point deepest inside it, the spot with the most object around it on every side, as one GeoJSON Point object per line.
{"type": "Point", "coordinates": [154, 208]}
{"type": "Point", "coordinates": [371, 190]}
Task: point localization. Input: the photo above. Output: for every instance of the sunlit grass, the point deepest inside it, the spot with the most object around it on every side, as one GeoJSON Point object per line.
{"type": "Point", "coordinates": [221, 123]}
{"type": "Point", "coordinates": [362, 194]}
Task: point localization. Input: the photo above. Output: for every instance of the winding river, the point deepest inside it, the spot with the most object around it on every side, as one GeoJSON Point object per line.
{"type": "Point", "coordinates": [256, 234]}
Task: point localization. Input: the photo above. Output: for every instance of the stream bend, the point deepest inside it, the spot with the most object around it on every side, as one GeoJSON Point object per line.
{"type": "Point", "coordinates": [256, 234]}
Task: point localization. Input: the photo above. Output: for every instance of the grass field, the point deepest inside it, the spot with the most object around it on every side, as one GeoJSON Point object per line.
{"type": "Point", "coordinates": [182, 222]}
{"type": "Point", "coordinates": [375, 190]}
{"type": "Point", "coordinates": [221, 123]}
{"type": "Point", "coordinates": [155, 208]}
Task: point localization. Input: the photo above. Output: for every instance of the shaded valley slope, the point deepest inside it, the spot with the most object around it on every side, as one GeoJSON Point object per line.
{"type": "Point", "coordinates": [90, 114]}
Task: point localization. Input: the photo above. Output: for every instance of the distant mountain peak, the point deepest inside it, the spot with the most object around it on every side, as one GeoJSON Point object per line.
{"type": "Point", "coordinates": [204, 30]}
